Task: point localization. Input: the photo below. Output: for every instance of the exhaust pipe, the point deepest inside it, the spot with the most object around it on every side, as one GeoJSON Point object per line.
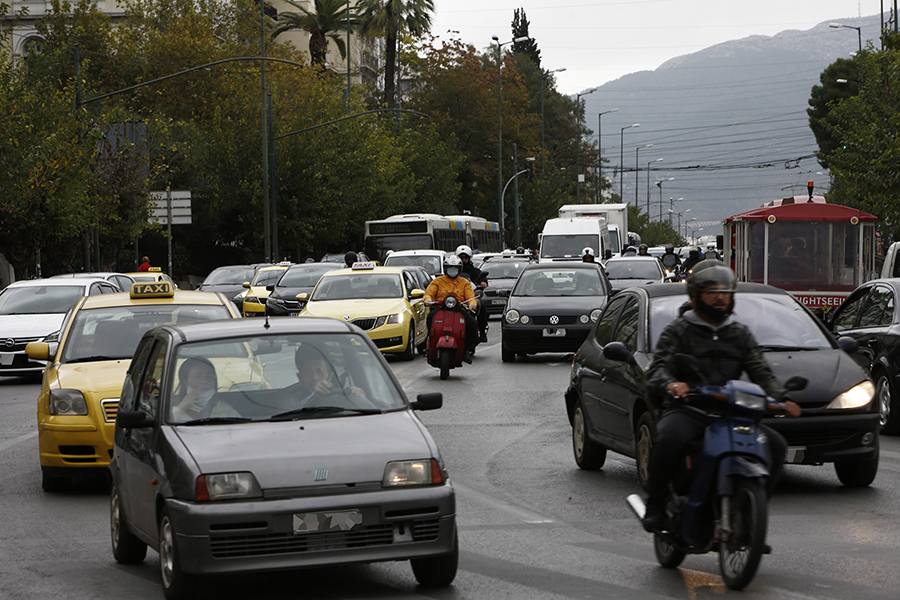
{"type": "Point", "coordinates": [636, 504]}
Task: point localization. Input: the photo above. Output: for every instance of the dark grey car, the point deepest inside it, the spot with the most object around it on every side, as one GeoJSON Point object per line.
{"type": "Point", "coordinates": [271, 470]}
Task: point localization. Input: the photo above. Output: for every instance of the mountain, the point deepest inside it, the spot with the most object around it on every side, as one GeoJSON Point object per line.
{"type": "Point", "coordinates": [728, 121]}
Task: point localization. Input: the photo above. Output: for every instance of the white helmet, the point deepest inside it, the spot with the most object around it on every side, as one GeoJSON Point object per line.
{"type": "Point", "coordinates": [452, 261]}
{"type": "Point", "coordinates": [460, 250]}
{"type": "Point", "coordinates": [587, 251]}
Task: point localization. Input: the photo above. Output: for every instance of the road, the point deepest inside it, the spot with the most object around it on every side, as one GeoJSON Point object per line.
{"type": "Point", "coordinates": [532, 525]}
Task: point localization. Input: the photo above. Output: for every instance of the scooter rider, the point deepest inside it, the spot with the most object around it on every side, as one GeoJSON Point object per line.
{"type": "Point", "coordinates": [477, 277]}
{"type": "Point", "coordinates": [724, 349]}
{"type": "Point", "coordinates": [692, 260]}
{"type": "Point", "coordinates": [452, 284]}
{"type": "Point", "coordinates": [670, 260]}
{"type": "Point", "coordinates": [587, 255]}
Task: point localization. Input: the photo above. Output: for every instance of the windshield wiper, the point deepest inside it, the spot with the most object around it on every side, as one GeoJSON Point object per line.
{"type": "Point", "coordinates": [308, 410]}
{"type": "Point", "coordinates": [777, 348]}
{"type": "Point", "coordinates": [95, 358]}
{"type": "Point", "coordinates": [208, 420]}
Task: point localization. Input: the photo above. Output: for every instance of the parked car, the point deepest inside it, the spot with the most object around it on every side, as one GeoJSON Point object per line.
{"type": "Point", "coordinates": [552, 308]}
{"type": "Point", "coordinates": [502, 273]}
{"type": "Point", "coordinates": [626, 271]}
{"type": "Point", "coordinates": [297, 279]}
{"type": "Point", "coordinates": [870, 316]}
{"type": "Point", "coordinates": [271, 471]}
{"type": "Point", "coordinates": [121, 280]}
{"type": "Point", "coordinates": [609, 407]}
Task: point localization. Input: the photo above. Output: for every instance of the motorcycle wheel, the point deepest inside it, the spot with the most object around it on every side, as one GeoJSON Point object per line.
{"type": "Point", "coordinates": [739, 555]}
{"type": "Point", "coordinates": [667, 554]}
{"type": "Point", "coordinates": [446, 357]}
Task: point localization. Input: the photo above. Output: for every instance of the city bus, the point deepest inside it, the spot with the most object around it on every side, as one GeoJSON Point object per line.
{"type": "Point", "coordinates": [424, 231]}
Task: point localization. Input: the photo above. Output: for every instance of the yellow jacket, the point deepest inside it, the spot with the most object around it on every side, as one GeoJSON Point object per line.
{"type": "Point", "coordinates": [458, 286]}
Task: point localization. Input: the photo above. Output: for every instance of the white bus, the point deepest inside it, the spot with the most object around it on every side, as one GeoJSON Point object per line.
{"type": "Point", "coordinates": [424, 231]}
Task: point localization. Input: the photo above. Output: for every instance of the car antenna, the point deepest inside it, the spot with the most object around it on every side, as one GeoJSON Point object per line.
{"type": "Point", "coordinates": [266, 324]}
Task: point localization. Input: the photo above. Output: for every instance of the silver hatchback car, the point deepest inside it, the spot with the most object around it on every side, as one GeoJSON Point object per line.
{"type": "Point", "coordinates": [252, 445]}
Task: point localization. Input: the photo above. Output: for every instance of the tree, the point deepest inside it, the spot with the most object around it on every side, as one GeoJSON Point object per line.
{"type": "Point", "coordinates": [391, 18]}
{"type": "Point", "coordinates": [826, 95]}
{"type": "Point", "coordinates": [327, 22]}
{"type": "Point", "coordinates": [520, 29]}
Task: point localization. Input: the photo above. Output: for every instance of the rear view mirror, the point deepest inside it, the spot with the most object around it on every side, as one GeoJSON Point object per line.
{"type": "Point", "coordinates": [848, 344]}
{"type": "Point", "coordinates": [619, 352]}
{"type": "Point", "coordinates": [430, 401]}
{"type": "Point", "coordinates": [134, 419]}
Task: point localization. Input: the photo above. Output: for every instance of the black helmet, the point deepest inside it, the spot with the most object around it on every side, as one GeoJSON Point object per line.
{"type": "Point", "coordinates": [710, 272]}
{"type": "Point", "coordinates": [642, 249]}
{"type": "Point", "coordinates": [670, 248]}
{"type": "Point", "coordinates": [350, 258]}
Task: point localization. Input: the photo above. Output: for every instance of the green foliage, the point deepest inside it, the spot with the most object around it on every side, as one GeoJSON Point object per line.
{"type": "Point", "coordinates": [520, 29]}
{"type": "Point", "coordinates": [823, 97]}
{"type": "Point", "coordinates": [328, 21]}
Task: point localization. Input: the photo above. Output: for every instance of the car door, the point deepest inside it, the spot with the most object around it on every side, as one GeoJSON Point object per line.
{"type": "Point", "coordinates": [620, 381]}
{"type": "Point", "coordinates": [417, 305]}
{"type": "Point", "coordinates": [594, 365]}
{"type": "Point", "coordinates": [875, 317]}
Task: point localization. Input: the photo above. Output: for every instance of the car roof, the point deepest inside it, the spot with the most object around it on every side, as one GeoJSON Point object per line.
{"type": "Point", "coordinates": [63, 281]}
{"type": "Point", "coordinates": [349, 271]}
{"type": "Point", "coordinates": [224, 329]}
{"type": "Point", "coordinates": [95, 274]}
{"type": "Point", "coordinates": [180, 297]}
{"type": "Point", "coordinates": [629, 258]}
{"type": "Point", "coordinates": [562, 264]}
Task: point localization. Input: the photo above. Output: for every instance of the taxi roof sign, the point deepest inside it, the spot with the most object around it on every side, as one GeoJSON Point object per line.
{"type": "Point", "coordinates": [359, 266]}
{"type": "Point", "coordinates": [154, 269]}
{"type": "Point", "coordinates": [152, 289]}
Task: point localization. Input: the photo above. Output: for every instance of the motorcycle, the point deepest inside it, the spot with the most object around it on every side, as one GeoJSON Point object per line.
{"type": "Point", "coordinates": [447, 335]}
{"type": "Point", "coordinates": [717, 500]}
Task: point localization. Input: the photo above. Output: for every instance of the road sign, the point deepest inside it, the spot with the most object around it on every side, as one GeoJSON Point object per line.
{"type": "Point", "coordinates": [181, 208]}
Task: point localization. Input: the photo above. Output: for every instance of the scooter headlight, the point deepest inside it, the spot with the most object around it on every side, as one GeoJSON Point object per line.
{"type": "Point", "coordinates": [450, 302]}
{"type": "Point", "coordinates": [856, 397]}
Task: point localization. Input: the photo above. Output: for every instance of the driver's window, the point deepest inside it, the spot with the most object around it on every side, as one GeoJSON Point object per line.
{"type": "Point", "coordinates": [846, 317]}
{"type": "Point", "coordinates": [878, 309]}
{"type": "Point", "coordinates": [603, 333]}
{"type": "Point", "coordinates": [627, 328]}
{"type": "Point", "coordinates": [148, 399]}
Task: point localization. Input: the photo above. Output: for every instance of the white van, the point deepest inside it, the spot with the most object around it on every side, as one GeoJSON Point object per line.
{"type": "Point", "coordinates": [616, 216]}
{"type": "Point", "coordinates": [564, 239]}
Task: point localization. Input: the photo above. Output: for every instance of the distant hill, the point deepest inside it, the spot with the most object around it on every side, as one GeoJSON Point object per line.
{"type": "Point", "coordinates": [729, 122]}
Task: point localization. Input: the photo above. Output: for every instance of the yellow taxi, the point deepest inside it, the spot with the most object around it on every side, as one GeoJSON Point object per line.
{"type": "Point", "coordinates": [257, 290]}
{"type": "Point", "coordinates": [86, 368]}
{"type": "Point", "coordinates": [150, 275]}
{"type": "Point", "coordinates": [385, 302]}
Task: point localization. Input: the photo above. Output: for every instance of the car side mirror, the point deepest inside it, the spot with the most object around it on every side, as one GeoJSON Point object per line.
{"type": "Point", "coordinates": [848, 344]}
{"type": "Point", "coordinates": [619, 352]}
{"type": "Point", "coordinates": [431, 401]}
{"type": "Point", "coordinates": [246, 284]}
{"type": "Point", "coordinates": [607, 254]}
{"type": "Point", "coordinates": [270, 288]}
{"type": "Point", "coordinates": [416, 293]}
{"type": "Point", "coordinates": [134, 419]}
{"type": "Point", "coordinates": [302, 296]}
{"type": "Point", "coordinates": [505, 292]}
{"type": "Point", "coordinates": [38, 350]}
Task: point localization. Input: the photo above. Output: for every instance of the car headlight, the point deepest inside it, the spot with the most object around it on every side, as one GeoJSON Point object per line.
{"type": "Point", "coordinates": [525, 319]}
{"type": "Point", "coordinates": [511, 316]}
{"type": "Point", "coordinates": [52, 337]}
{"type": "Point", "coordinates": [67, 402]}
{"type": "Point", "coordinates": [227, 486]}
{"type": "Point", "coordinates": [751, 401]}
{"type": "Point", "coordinates": [584, 318]}
{"type": "Point", "coordinates": [412, 472]}
{"type": "Point", "coordinates": [856, 397]}
{"type": "Point", "coordinates": [595, 314]}
{"type": "Point", "coordinates": [274, 301]}
{"type": "Point", "coordinates": [398, 318]}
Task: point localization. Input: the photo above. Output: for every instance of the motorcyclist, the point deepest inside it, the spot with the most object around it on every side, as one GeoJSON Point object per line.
{"type": "Point", "coordinates": [724, 349]}
{"type": "Point", "coordinates": [479, 279]}
{"type": "Point", "coordinates": [670, 260]}
{"type": "Point", "coordinates": [692, 259]}
{"type": "Point", "coordinates": [629, 251]}
{"type": "Point", "coordinates": [643, 250]}
{"type": "Point", "coordinates": [711, 253]}
{"type": "Point", "coordinates": [587, 255]}
{"type": "Point", "coordinates": [452, 283]}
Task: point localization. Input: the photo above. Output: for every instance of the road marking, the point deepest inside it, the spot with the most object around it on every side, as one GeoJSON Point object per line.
{"type": "Point", "coordinates": [18, 440]}
{"type": "Point", "coordinates": [526, 515]}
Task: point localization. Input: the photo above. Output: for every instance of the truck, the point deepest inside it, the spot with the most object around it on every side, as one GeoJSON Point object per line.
{"type": "Point", "coordinates": [616, 216]}
{"type": "Point", "coordinates": [565, 238]}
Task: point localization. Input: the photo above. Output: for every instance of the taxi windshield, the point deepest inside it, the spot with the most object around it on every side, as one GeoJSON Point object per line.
{"type": "Point", "coordinates": [39, 299]}
{"type": "Point", "coordinates": [114, 332]}
{"type": "Point", "coordinates": [304, 276]}
{"type": "Point", "coordinates": [359, 286]}
{"type": "Point", "coordinates": [279, 377]}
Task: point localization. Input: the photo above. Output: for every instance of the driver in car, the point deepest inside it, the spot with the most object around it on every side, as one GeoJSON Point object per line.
{"type": "Point", "coordinates": [318, 381]}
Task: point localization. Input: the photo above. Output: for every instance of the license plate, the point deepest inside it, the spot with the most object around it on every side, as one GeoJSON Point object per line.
{"type": "Point", "coordinates": [796, 454]}
{"type": "Point", "coordinates": [7, 359]}
{"type": "Point", "coordinates": [337, 520]}
{"type": "Point", "coordinates": [499, 301]}
{"type": "Point", "coordinates": [294, 314]}
{"type": "Point", "coordinates": [554, 332]}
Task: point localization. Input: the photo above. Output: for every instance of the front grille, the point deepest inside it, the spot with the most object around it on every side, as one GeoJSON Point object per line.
{"type": "Point", "coordinates": [267, 544]}
{"type": "Point", "coordinates": [818, 438]}
{"type": "Point", "coordinates": [18, 344]}
{"type": "Point", "coordinates": [365, 324]}
{"type": "Point", "coordinates": [426, 531]}
{"type": "Point", "coordinates": [388, 342]}
{"type": "Point", "coordinates": [110, 409]}
{"type": "Point", "coordinates": [563, 320]}
{"type": "Point", "coordinates": [78, 454]}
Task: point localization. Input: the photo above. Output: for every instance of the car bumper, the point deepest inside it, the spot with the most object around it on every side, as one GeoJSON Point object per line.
{"type": "Point", "coordinates": [276, 310]}
{"type": "Point", "coordinates": [828, 438]}
{"type": "Point", "coordinates": [390, 338]}
{"type": "Point", "coordinates": [253, 309]}
{"type": "Point", "coordinates": [259, 535]}
{"type": "Point", "coordinates": [18, 363]}
{"type": "Point", "coordinates": [495, 305]}
{"type": "Point", "coordinates": [74, 443]}
{"type": "Point", "coordinates": [534, 339]}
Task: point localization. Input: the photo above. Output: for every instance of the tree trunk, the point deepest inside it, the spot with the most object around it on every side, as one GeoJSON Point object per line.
{"type": "Point", "coordinates": [390, 60]}
{"type": "Point", "coordinates": [318, 48]}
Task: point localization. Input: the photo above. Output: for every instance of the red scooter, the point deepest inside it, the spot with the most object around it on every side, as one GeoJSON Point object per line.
{"type": "Point", "coordinates": [447, 336]}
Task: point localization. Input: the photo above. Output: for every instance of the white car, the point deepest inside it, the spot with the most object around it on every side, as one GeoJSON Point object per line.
{"type": "Point", "coordinates": [431, 260]}
{"type": "Point", "coordinates": [33, 310]}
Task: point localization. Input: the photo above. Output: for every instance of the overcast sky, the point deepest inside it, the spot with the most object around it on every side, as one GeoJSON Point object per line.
{"type": "Point", "coordinates": [600, 40]}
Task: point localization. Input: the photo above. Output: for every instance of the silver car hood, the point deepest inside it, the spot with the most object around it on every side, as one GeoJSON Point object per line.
{"type": "Point", "coordinates": [23, 326]}
{"type": "Point", "coordinates": [289, 454]}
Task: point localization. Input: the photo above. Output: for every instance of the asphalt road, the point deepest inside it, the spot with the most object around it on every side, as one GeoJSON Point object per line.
{"type": "Point", "coordinates": [532, 525]}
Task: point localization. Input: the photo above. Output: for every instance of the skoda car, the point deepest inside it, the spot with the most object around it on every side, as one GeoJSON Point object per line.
{"type": "Point", "coordinates": [609, 407]}
{"type": "Point", "coordinates": [76, 408]}
{"type": "Point", "coordinates": [305, 453]}
{"type": "Point", "coordinates": [297, 279]}
{"type": "Point", "coordinates": [254, 302]}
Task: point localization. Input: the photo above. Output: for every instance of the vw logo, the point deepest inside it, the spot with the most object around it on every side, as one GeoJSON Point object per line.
{"type": "Point", "coordinates": [10, 342]}
{"type": "Point", "coordinates": [554, 320]}
{"type": "Point", "coordinates": [346, 317]}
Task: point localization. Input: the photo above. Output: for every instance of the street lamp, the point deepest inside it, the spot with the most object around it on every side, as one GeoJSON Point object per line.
{"type": "Point", "coordinates": [842, 26]}
{"type": "Point", "coordinates": [500, 128]}
{"type": "Point", "coordinates": [600, 149]}
{"type": "Point", "coordinates": [578, 142]}
{"type": "Point", "coordinates": [659, 185]}
{"type": "Point", "coordinates": [622, 156]}
{"type": "Point", "coordinates": [648, 184]}
{"type": "Point", "coordinates": [637, 172]}
{"type": "Point", "coordinates": [543, 77]}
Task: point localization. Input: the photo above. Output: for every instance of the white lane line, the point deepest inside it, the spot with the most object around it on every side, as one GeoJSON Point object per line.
{"type": "Point", "coordinates": [522, 513]}
{"type": "Point", "coordinates": [18, 440]}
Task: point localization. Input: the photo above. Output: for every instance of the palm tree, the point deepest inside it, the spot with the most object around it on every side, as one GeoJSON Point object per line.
{"type": "Point", "coordinates": [329, 20]}
{"type": "Point", "coordinates": [390, 18]}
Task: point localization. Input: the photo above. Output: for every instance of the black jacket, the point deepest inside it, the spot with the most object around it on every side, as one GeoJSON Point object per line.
{"type": "Point", "coordinates": [724, 352]}
{"type": "Point", "coordinates": [473, 273]}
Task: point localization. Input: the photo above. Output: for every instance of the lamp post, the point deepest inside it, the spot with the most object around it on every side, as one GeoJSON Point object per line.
{"type": "Point", "coordinates": [672, 202]}
{"type": "Point", "coordinates": [842, 26]}
{"type": "Point", "coordinates": [600, 149]}
{"type": "Point", "coordinates": [267, 235]}
{"type": "Point", "coordinates": [659, 185]}
{"type": "Point", "coordinates": [622, 156]}
{"type": "Point", "coordinates": [543, 77]}
{"type": "Point", "coordinates": [637, 171]}
{"type": "Point", "coordinates": [648, 184]}
{"type": "Point", "coordinates": [578, 142]}
{"type": "Point", "coordinates": [500, 128]}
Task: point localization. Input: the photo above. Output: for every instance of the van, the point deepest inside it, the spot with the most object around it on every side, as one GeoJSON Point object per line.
{"type": "Point", "coordinates": [564, 239]}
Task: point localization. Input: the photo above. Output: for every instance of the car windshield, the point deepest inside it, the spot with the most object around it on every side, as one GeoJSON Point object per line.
{"type": "Point", "coordinates": [358, 286]}
{"type": "Point", "coordinates": [571, 245]}
{"type": "Point", "coordinates": [114, 332]}
{"type": "Point", "coordinates": [229, 276]}
{"type": "Point", "coordinates": [504, 269]}
{"type": "Point", "coordinates": [39, 299]}
{"type": "Point", "coordinates": [267, 277]}
{"type": "Point", "coordinates": [559, 282]}
{"type": "Point", "coordinates": [305, 276]}
{"type": "Point", "coordinates": [633, 269]}
{"type": "Point", "coordinates": [279, 377]}
{"type": "Point", "coordinates": [432, 264]}
{"type": "Point", "coordinates": [777, 321]}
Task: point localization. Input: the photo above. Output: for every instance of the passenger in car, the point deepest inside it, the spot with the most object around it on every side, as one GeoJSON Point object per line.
{"type": "Point", "coordinates": [197, 384]}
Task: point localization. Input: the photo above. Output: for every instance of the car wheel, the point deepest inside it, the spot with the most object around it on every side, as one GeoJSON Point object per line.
{"type": "Point", "coordinates": [589, 455]}
{"type": "Point", "coordinates": [52, 483]}
{"type": "Point", "coordinates": [857, 473]}
{"type": "Point", "coordinates": [506, 355]}
{"type": "Point", "coordinates": [643, 442]}
{"type": "Point", "coordinates": [410, 351]}
{"type": "Point", "coordinates": [437, 571]}
{"type": "Point", "coordinates": [890, 418]}
{"type": "Point", "coordinates": [177, 585]}
{"type": "Point", "coordinates": [127, 549]}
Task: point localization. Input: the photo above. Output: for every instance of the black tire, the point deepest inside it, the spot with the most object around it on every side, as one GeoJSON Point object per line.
{"type": "Point", "coordinates": [506, 355]}
{"type": "Point", "coordinates": [643, 442]}
{"type": "Point", "coordinates": [589, 455]}
{"type": "Point", "coordinates": [739, 556]}
{"type": "Point", "coordinates": [409, 352]}
{"type": "Point", "coordinates": [857, 473]}
{"type": "Point", "coordinates": [446, 355]}
{"type": "Point", "coordinates": [176, 584]}
{"type": "Point", "coordinates": [437, 571]}
{"type": "Point", "coordinates": [668, 555]}
{"type": "Point", "coordinates": [887, 404]}
{"type": "Point", "coordinates": [53, 483]}
{"type": "Point", "coordinates": [127, 549]}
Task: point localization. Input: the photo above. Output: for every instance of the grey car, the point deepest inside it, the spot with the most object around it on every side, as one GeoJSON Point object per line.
{"type": "Point", "coordinates": [248, 445]}
{"type": "Point", "coordinates": [625, 272]}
